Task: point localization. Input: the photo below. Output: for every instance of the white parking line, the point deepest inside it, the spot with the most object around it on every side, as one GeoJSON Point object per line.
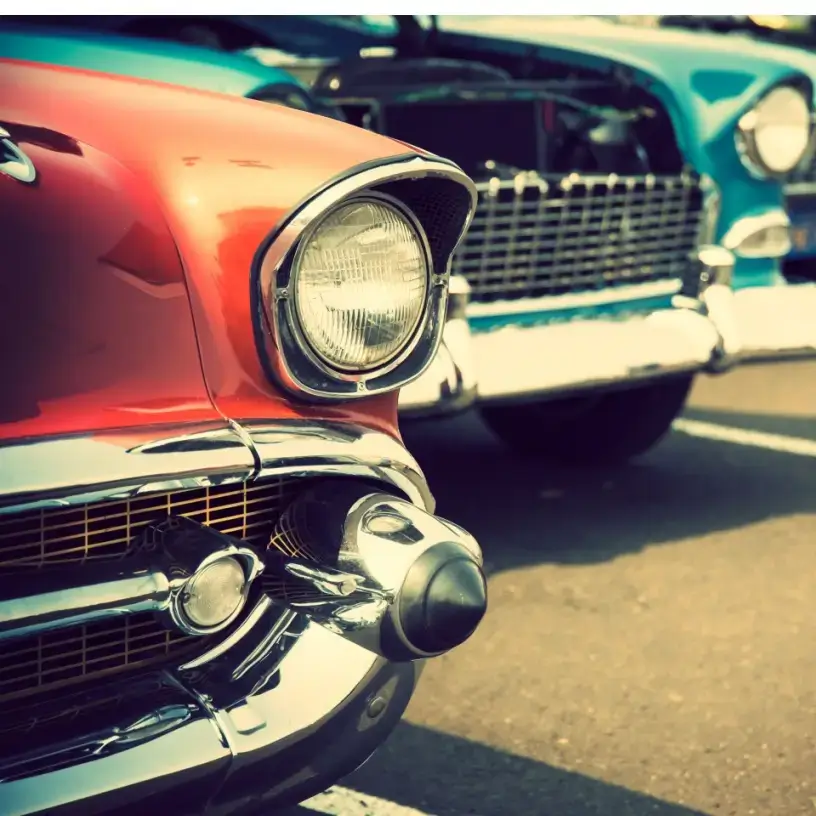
{"type": "Point", "coordinates": [345, 802]}
{"type": "Point", "coordinates": [739, 436]}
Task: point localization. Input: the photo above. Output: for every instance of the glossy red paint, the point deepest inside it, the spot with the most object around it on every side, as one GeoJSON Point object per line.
{"type": "Point", "coordinates": [223, 172]}
{"type": "Point", "coordinates": [95, 321]}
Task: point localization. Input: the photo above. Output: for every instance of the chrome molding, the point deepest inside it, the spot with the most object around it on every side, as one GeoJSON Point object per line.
{"type": "Point", "coordinates": [578, 300]}
{"type": "Point", "coordinates": [61, 471]}
{"type": "Point", "coordinates": [290, 364]}
{"type": "Point", "coordinates": [65, 471]}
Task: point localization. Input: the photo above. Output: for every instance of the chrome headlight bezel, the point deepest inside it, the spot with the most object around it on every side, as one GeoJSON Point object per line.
{"type": "Point", "coordinates": [745, 136]}
{"type": "Point", "coordinates": [290, 300]}
{"type": "Point", "coordinates": [285, 353]}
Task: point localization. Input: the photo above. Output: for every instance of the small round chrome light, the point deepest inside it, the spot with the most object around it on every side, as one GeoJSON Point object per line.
{"type": "Point", "coordinates": [361, 279]}
{"type": "Point", "coordinates": [215, 594]}
{"type": "Point", "coordinates": [774, 135]}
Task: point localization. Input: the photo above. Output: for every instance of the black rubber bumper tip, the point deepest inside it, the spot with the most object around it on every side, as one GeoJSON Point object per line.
{"type": "Point", "coordinates": [443, 599]}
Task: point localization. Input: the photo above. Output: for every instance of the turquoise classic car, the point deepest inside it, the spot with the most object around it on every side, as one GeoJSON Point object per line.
{"type": "Point", "coordinates": [631, 220]}
{"type": "Point", "coordinates": [187, 65]}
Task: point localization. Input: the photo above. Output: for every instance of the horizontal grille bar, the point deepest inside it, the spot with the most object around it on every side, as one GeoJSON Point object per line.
{"type": "Point", "coordinates": [74, 536]}
{"type": "Point", "coordinates": [543, 235]}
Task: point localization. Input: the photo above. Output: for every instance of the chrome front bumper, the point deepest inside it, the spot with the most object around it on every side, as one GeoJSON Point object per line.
{"type": "Point", "coordinates": [517, 362]}
{"type": "Point", "coordinates": [777, 321]}
{"type": "Point", "coordinates": [282, 707]}
{"type": "Point", "coordinates": [593, 353]}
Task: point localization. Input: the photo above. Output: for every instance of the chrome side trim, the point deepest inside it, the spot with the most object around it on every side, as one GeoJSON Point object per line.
{"type": "Point", "coordinates": [61, 471]}
{"type": "Point", "coordinates": [64, 471]}
{"type": "Point", "coordinates": [744, 228]}
{"type": "Point", "coordinates": [290, 366]}
{"type": "Point", "coordinates": [578, 300]}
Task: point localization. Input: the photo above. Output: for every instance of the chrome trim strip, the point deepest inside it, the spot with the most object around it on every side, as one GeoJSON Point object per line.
{"type": "Point", "coordinates": [61, 471]}
{"type": "Point", "coordinates": [291, 366]}
{"type": "Point", "coordinates": [553, 303]}
{"type": "Point", "coordinates": [64, 471]}
{"type": "Point", "coordinates": [743, 229]}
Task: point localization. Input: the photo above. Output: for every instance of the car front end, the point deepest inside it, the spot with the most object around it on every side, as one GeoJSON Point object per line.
{"type": "Point", "coordinates": [220, 569]}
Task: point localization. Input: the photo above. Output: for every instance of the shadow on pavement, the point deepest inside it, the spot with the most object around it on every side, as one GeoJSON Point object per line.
{"type": "Point", "coordinates": [448, 776]}
{"type": "Point", "coordinates": [526, 511]}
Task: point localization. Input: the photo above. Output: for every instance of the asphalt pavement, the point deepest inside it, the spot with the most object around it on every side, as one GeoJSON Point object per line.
{"type": "Point", "coordinates": [650, 646]}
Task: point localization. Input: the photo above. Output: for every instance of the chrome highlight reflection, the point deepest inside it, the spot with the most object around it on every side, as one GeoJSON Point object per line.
{"type": "Point", "coordinates": [449, 383]}
{"type": "Point", "coordinates": [777, 322]}
{"type": "Point", "coordinates": [760, 236]}
{"type": "Point", "coordinates": [377, 570]}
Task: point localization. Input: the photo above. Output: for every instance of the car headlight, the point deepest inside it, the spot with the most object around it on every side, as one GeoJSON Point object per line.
{"type": "Point", "coordinates": [360, 285]}
{"type": "Point", "coordinates": [349, 291]}
{"type": "Point", "coordinates": [774, 135]}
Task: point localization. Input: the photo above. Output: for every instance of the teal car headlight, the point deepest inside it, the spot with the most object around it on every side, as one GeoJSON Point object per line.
{"type": "Point", "coordinates": [774, 135]}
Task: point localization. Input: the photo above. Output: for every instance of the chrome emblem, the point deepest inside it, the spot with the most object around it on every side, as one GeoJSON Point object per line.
{"type": "Point", "coordinates": [13, 161]}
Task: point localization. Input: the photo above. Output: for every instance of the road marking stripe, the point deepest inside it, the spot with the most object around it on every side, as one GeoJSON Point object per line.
{"type": "Point", "coordinates": [346, 802]}
{"type": "Point", "coordinates": [739, 436]}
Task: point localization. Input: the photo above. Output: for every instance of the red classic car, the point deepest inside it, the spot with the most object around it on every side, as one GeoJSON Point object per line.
{"type": "Point", "coordinates": [219, 567]}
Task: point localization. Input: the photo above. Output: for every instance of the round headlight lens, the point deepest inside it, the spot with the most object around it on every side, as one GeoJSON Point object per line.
{"type": "Point", "coordinates": [780, 127]}
{"type": "Point", "coordinates": [215, 594]}
{"type": "Point", "coordinates": [361, 284]}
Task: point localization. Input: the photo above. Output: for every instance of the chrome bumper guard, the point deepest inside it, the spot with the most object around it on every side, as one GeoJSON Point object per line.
{"type": "Point", "coordinates": [449, 383]}
{"type": "Point", "coordinates": [515, 362]}
{"type": "Point", "coordinates": [304, 687]}
{"type": "Point", "coordinates": [777, 322]}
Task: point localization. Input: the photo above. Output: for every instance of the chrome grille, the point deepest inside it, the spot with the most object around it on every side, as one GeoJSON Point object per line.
{"type": "Point", "coordinates": [546, 235]}
{"type": "Point", "coordinates": [57, 659]}
{"type": "Point", "coordinates": [106, 530]}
